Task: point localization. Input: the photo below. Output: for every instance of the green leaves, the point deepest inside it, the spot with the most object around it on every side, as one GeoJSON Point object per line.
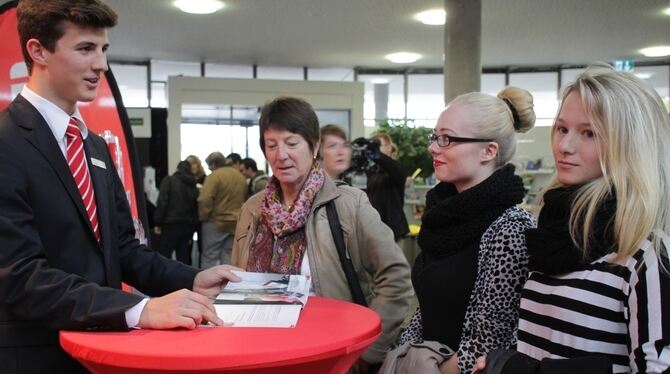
{"type": "Point", "coordinates": [412, 145]}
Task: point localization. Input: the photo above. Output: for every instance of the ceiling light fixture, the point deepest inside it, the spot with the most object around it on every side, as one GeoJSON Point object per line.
{"type": "Point", "coordinates": [666, 11]}
{"type": "Point", "coordinates": [198, 6]}
{"type": "Point", "coordinates": [643, 75]}
{"type": "Point", "coordinates": [656, 51]}
{"type": "Point", "coordinates": [403, 57]}
{"type": "Point", "coordinates": [433, 17]}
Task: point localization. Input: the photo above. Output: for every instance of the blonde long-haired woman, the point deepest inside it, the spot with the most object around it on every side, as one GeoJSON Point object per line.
{"type": "Point", "coordinates": [598, 297]}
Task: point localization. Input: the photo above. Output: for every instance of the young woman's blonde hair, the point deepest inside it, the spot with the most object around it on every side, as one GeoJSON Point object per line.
{"type": "Point", "coordinates": [632, 128]}
{"type": "Point", "coordinates": [193, 159]}
{"type": "Point", "coordinates": [387, 138]}
{"type": "Point", "coordinates": [500, 117]}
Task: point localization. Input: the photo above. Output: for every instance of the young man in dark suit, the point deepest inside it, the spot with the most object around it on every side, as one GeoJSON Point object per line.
{"type": "Point", "coordinates": [65, 225]}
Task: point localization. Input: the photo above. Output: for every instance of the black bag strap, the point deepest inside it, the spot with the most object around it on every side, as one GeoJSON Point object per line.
{"type": "Point", "coordinates": [347, 265]}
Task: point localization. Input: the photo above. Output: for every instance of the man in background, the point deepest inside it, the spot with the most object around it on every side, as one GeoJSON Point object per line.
{"type": "Point", "coordinates": [235, 160]}
{"type": "Point", "coordinates": [257, 178]}
{"type": "Point", "coordinates": [219, 206]}
{"type": "Point", "coordinates": [176, 213]}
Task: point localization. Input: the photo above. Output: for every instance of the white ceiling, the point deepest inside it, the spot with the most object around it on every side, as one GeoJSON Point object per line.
{"type": "Point", "coordinates": [358, 33]}
{"type": "Point", "coordinates": [350, 33]}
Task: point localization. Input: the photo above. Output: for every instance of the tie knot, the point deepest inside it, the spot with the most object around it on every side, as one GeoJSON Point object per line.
{"type": "Point", "coordinates": [72, 128]}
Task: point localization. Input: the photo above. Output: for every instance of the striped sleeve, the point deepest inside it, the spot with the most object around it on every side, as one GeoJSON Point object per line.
{"type": "Point", "coordinates": [649, 314]}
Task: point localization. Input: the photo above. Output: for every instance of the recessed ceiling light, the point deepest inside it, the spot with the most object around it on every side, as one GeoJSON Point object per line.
{"type": "Point", "coordinates": [198, 6]}
{"type": "Point", "coordinates": [433, 17]}
{"type": "Point", "coordinates": [666, 11]}
{"type": "Point", "coordinates": [403, 57]}
{"type": "Point", "coordinates": [656, 51]}
{"type": "Point", "coordinates": [645, 75]}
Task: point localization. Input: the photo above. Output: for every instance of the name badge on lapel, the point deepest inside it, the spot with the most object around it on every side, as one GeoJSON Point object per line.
{"type": "Point", "coordinates": [98, 163]}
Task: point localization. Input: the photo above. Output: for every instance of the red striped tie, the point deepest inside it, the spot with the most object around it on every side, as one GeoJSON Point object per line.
{"type": "Point", "coordinates": [77, 161]}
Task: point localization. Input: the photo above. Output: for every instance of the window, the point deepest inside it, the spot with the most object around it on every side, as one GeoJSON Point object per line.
{"type": "Point", "coordinates": [544, 88]}
{"type": "Point", "coordinates": [425, 98]}
{"type": "Point", "coordinates": [278, 72]}
{"type": "Point", "coordinates": [132, 81]}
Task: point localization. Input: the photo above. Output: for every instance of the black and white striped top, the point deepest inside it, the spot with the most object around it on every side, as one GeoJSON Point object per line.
{"type": "Point", "coordinates": [619, 309]}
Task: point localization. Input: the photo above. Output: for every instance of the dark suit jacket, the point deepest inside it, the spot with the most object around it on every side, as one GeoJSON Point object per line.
{"type": "Point", "coordinates": [53, 273]}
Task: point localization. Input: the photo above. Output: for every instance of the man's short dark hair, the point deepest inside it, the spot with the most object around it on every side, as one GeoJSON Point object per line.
{"type": "Point", "coordinates": [235, 158]}
{"type": "Point", "coordinates": [249, 163]}
{"type": "Point", "coordinates": [184, 166]}
{"type": "Point", "coordinates": [215, 160]}
{"type": "Point", "coordinates": [45, 20]}
{"type": "Point", "coordinates": [291, 114]}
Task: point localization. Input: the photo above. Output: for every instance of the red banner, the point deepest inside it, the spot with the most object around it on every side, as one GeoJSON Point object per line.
{"type": "Point", "coordinates": [102, 116]}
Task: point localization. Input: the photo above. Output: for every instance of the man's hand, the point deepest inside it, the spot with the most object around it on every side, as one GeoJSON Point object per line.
{"type": "Point", "coordinates": [181, 308]}
{"type": "Point", "coordinates": [211, 281]}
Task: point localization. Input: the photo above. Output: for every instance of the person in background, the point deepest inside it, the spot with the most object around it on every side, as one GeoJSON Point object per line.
{"type": "Point", "coordinates": [235, 160]}
{"type": "Point", "coordinates": [598, 297]}
{"type": "Point", "coordinates": [219, 206]}
{"type": "Point", "coordinates": [386, 184]}
{"type": "Point", "coordinates": [197, 170]}
{"type": "Point", "coordinates": [199, 173]}
{"type": "Point", "coordinates": [257, 178]}
{"type": "Point", "coordinates": [335, 151]}
{"type": "Point", "coordinates": [177, 213]}
{"type": "Point", "coordinates": [285, 229]}
{"type": "Point", "coordinates": [473, 257]}
{"type": "Point", "coordinates": [68, 239]}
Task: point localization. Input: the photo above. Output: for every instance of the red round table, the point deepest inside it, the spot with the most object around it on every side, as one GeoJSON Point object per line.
{"type": "Point", "coordinates": [329, 338]}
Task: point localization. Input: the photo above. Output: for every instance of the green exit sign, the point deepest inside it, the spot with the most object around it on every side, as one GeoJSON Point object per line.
{"type": "Point", "coordinates": [624, 65]}
{"type": "Point", "coordinates": [136, 121]}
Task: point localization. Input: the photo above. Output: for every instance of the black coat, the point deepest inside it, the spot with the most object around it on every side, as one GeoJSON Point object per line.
{"type": "Point", "coordinates": [386, 191]}
{"type": "Point", "coordinates": [53, 272]}
{"type": "Point", "coordinates": [177, 200]}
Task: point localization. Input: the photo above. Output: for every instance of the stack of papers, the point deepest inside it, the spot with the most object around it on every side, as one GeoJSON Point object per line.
{"type": "Point", "coordinates": [263, 300]}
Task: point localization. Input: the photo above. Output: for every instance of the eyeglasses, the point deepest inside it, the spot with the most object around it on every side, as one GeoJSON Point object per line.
{"type": "Point", "coordinates": [446, 140]}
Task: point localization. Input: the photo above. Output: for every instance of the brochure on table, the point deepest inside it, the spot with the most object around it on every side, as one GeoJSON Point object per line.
{"type": "Point", "coordinates": [263, 300]}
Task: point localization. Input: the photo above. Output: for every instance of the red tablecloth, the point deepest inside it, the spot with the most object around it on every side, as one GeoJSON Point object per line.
{"type": "Point", "coordinates": [329, 338]}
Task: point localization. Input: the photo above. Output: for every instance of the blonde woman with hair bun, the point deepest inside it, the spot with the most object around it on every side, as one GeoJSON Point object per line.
{"type": "Point", "coordinates": [473, 259]}
{"type": "Point", "coordinates": [598, 297]}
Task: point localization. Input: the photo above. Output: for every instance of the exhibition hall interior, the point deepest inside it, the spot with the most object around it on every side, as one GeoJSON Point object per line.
{"type": "Point", "coordinates": [538, 45]}
{"type": "Point", "coordinates": [394, 48]}
{"type": "Point", "coordinates": [471, 185]}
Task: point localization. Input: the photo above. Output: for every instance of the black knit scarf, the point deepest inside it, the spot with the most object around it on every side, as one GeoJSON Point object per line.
{"type": "Point", "coordinates": [455, 221]}
{"type": "Point", "coordinates": [550, 246]}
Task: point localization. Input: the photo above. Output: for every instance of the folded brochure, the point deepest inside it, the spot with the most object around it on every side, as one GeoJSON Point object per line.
{"type": "Point", "coordinates": [263, 300]}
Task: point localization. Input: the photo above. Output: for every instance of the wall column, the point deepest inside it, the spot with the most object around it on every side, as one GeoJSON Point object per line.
{"type": "Point", "coordinates": [462, 47]}
{"type": "Point", "coordinates": [381, 102]}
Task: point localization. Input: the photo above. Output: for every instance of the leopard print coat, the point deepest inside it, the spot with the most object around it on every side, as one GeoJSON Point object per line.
{"type": "Point", "coordinates": [492, 315]}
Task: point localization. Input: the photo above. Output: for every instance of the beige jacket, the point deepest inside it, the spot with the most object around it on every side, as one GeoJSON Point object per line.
{"type": "Point", "coordinates": [222, 197]}
{"type": "Point", "coordinates": [380, 265]}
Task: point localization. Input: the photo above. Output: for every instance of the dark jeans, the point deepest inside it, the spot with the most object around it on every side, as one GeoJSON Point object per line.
{"type": "Point", "coordinates": [176, 237]}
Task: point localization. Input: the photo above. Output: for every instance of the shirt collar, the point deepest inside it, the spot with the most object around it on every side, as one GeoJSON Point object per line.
{"type": "Point", "coordinates": [55, 117]}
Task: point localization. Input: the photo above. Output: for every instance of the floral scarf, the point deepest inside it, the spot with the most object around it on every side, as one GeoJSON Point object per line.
{"type": "Point", "coordinates": [280, 240]}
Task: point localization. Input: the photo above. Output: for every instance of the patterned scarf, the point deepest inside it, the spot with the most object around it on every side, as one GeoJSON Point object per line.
{"type": "Point", "coordinates": [281, 241]}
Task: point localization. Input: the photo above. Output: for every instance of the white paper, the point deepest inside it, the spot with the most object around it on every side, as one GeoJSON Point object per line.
{"type": "Point", "coordinates": [263, 300]}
